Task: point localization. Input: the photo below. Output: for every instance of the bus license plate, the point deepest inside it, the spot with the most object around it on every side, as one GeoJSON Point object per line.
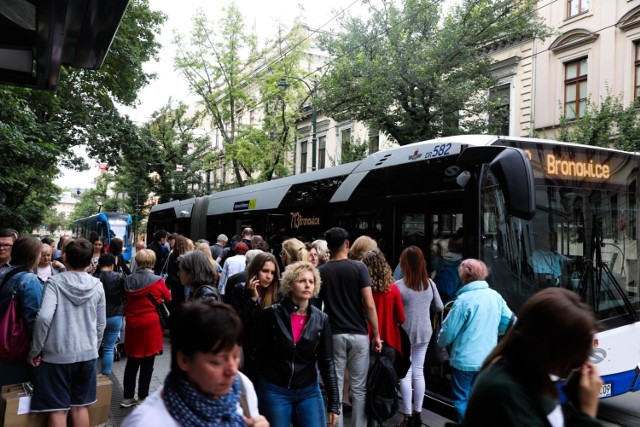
{"type": "Point", "coordinates": [605, 390]}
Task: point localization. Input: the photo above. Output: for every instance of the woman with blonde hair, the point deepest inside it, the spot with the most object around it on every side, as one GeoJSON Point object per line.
{"type": "Point", "coordinates": [361, 245]}
{"type": "Point", "coordinates": [294, 338]}
{"type": "Point", "coordinates": [478, 315]}
{"type": "Point", "coordinates": [206, 249]}
{"type": "Point", "coordinates": [143, 331]}
{"type": "Point", "coordinates": [293, 250]}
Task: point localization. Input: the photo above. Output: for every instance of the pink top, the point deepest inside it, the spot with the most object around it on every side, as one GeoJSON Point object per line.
{"type": "Point", "coordinates": [297, 325]}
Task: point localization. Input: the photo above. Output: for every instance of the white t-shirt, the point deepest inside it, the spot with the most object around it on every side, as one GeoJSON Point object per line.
{"type": "Point", "coordinates": [152, 411]}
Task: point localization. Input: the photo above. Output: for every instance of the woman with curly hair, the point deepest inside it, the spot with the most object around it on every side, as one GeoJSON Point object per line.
{"type": "Point", "coordinates": [386, 297]}
{"type": "Point", "coordinates": [294, 338]}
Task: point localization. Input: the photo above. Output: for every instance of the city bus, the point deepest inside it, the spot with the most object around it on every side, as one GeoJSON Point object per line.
{"type": "Point", "coordinates": [108, 225]}
{"type": "Point", "coordinates": [508, 199]}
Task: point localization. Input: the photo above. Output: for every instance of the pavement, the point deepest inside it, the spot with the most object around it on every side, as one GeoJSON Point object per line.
{"type": "Point", "coordinates": [162, 367]}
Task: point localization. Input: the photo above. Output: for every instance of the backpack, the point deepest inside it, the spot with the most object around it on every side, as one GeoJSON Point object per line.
{"type": "Point", "coordinates": [447, 279]}
{"type": "Point", "coordinates": [382, 385]}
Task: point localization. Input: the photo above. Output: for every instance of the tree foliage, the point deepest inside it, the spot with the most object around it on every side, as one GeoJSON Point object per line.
{"type": "Point", "coordinates": [604, 124]}
{"type": "Point", "coordinates": [416, 72]}
{"type": "Point", "coordinates": [235, 80]}
{"type": "Point", "coordinates": [41, 128]}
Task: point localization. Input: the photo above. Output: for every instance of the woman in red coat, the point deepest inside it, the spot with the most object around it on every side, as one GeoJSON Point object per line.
{"type": "Point", "coordinates": [386, 297]}
{"type": "Point", "coordinates": [143, 332]}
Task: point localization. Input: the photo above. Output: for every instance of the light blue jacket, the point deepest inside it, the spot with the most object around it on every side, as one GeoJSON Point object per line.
{"type": "Point", "coordinates": [478, 316]}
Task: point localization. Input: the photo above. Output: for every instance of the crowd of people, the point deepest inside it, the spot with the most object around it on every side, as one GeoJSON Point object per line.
{"type": "Point", "coordinates": [281, 335]}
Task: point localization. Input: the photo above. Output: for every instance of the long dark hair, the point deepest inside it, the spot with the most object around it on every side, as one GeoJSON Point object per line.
{"type": "Point", "coordinates": [268, 295]}
{"type": "Point", "coordinates": [553, 334]}
{"type": "Point", "coordinates": [116, 246]}
{"type": "Point", "coordinates": [414, 268]}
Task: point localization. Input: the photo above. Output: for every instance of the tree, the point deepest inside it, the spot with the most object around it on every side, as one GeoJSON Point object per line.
{"type": "Point", "coordinates": [604, 124]}
{"type": "Point", "coordinates": [41, 128]}
{"type": "Point", "coordinates": [54, 221]}
{"type": "Point", "coordinates": [233, 79]}
{"type": "Point", "coordinates": [417, 73]}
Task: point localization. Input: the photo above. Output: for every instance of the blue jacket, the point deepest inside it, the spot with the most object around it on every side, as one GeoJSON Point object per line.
{"type": "Point", "coordinates": [472, 326]}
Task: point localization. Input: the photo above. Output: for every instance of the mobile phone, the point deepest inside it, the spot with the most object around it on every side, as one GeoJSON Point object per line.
{"type": "Point", "coordinates": [570, 387]}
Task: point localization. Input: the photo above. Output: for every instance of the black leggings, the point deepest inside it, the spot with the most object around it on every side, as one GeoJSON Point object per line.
{"type": "Point", "coordinates": [131, 371]}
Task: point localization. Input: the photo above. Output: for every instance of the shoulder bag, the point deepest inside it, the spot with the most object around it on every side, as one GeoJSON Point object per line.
{"type": "Point", "coordinates": [163, 311]}
{"type": "Point", "coordinates": [436, 355]}
{"type": "Point", "coordinates": [14, 335]}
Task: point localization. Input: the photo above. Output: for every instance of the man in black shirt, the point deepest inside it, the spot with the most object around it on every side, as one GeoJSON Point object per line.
{"type": "Point", "coordinates": [347, 297]}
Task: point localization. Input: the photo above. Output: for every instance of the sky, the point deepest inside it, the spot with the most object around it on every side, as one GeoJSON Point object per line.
{"type": "Point", "coordinates": [259, 14]}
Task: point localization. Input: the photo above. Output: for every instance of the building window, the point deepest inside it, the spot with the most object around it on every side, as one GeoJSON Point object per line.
{"type": "Point", "coordinates": [374, 139]}
{"type": "Point", "coordinates": [303, 156]}
{"type": "Point", "coordinates": [575, 88]}
{"type": "Point", "coordinates": [637, 67]}
{"type": "Point", "coordinates": [499, 118]}
{"type": "Point", "coordinates": [322, 151]}
{"type": "Point", "coordinates": [252, 117]}
{"type": "Point", "coordinates": [346, 141]}
{"type": "Point", "coordinates": [224, 173]}
{"type": "Point", "coordinates": [576, 7]}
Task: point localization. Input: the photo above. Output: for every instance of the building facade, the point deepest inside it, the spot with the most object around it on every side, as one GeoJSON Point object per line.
{"type": "Point", "coordinates": [594, 52]}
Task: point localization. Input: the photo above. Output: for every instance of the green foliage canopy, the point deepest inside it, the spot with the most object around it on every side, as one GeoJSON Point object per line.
{"type": "Point", "coordinates": [416, 72]}
{"type": "Point", "coordinates": [39, 129]}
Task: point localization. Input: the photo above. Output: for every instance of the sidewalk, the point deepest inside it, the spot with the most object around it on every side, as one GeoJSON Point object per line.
{"type": "Point", "coordinates": [162, 367]}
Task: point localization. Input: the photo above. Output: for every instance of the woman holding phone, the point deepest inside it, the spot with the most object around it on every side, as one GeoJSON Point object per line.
{"type": "Point", "coordinates": [553, 336]}
{"type": "Point", "coordinates": [261, 291]}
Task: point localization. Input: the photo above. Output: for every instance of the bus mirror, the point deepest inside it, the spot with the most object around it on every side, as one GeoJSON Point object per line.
{"type": "Point", "coordinates": [512, 168]}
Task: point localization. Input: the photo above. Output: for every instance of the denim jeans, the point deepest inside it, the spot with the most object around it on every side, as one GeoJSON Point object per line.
{"type": "Point", "coordinates": [413, 383]}
{"type": "Point", "coordinates": [302, 407]}
{"type": "Point", "coordinates": [461, 382]}
{"type": "Point", "coordinates": [111, 332]}
{"type": "Point", "coordinates": [352, 351]}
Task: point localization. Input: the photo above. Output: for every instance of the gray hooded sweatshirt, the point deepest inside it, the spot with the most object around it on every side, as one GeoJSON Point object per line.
{"type": "Point", "coordinates": [71, 321]}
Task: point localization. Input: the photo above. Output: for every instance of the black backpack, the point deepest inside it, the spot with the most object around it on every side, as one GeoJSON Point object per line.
{"type": "Point", "coordinates": [382, 385]}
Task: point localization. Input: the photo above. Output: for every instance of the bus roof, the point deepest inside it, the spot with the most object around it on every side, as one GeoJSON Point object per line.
{"type": "Point", "coordinates": [270, 194]}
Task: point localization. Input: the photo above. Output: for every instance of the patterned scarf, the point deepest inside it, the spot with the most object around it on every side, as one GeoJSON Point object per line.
{"type": "Point", "coordinates": [190, 408]}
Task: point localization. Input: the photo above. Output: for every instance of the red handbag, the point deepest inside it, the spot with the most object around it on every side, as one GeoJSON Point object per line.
{"type": "Point", "coordinates": [14, 336]}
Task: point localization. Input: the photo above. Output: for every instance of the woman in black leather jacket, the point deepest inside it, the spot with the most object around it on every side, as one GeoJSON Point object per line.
{"type": "Point", "coordinates": [294, 338]}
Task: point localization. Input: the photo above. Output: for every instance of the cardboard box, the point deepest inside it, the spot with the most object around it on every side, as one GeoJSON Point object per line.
{"type": "Point", "coordinates": [99, 411]}
{"type": "Point", "coordinates": [16, 399]}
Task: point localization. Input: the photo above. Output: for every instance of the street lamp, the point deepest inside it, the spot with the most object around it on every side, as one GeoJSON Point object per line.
{"type": "Point", "coordinates": [99, 202]}
{"type": "Point", "coordinates": [282, 84]}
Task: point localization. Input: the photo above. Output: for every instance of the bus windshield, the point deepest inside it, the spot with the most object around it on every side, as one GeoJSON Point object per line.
{"type": "Point", "coordinates": [118, 229]}
{"type": "Point", "coordinates": [583, 239]}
